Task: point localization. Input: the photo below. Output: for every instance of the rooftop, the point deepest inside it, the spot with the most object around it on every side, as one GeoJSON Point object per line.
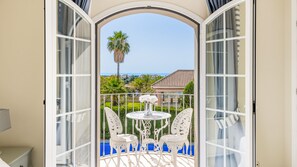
{"type": "Point", "coordinates": [179, 78]}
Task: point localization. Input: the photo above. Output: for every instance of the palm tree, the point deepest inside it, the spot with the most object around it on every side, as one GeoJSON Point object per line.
{"type": "Point", "coordinates": [119, 45]}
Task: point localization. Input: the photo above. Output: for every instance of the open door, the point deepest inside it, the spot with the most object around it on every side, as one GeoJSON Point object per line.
{"type": "Point", "coordinates": [226, 87]}
{"type": "Point", "coordinates": [70, 86]}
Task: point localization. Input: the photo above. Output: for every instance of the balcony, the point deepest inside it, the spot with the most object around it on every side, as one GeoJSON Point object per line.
{"type": "Point", "coordinates": [124, 103]}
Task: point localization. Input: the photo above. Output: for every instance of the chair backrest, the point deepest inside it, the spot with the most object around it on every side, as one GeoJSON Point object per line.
{"type": "Point", "coordinates": [114, 122]}
{"type": "Point", "coordinates": [181, 123]}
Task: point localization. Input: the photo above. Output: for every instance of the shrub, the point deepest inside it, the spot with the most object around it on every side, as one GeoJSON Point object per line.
{"type": "Point", "coordinates": [189, 89]}
{"type": "Point", "coordinates": [111, 85]}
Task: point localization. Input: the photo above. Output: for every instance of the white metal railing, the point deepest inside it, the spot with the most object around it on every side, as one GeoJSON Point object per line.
{"type": "Point", "coordinates": [123, 103]}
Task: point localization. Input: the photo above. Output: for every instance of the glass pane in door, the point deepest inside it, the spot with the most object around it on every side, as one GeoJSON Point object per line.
{"type": "Point", "coordinates": [83, 128]}
{"type": "Point", "coordinates": [215, 29]}
{"type": "Point", "coordinates": [83, 90]}
{"type": "Point", "coordinates": [235, 19]}
{"type": "Point", "coordinates": [64, 56]}
{"type": "Point", "coordinates": [64, 130]}
{"type": "Point", "coordinates": [215, 57]}
{"type": "Point", "coordinates": [215, 156]}
{"type": "Point", "coordinates": [215, 93]}
{"type": "Point", "coordinates": [64, 95]}
{"type": "Point", "coordinates": [83, 57]}
{"type": "Point", "coordinates": [226, 86]}
{"type": "Point", "coordinates": [235, 56]}
{"type": "Point", "coordinates": [65, 160]}
{"type": "Point", "coordinates": [73, 87]}
{"type": "Point", "coordinates": [235, 103]}
{"type": "Point", "coordinates": [83, 28]}
{"type": "Point", "coordinates": [83, 156]}
{"type": "Point", "coordinates": [214, 124]}
{"type": "Point", "coordinates": [65, 19]}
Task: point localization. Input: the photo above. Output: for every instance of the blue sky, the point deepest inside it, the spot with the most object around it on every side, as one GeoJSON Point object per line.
{"type": "Point", "coordinates": [158, 44]}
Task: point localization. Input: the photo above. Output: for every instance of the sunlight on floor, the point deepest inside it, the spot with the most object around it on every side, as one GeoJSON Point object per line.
{"type": "Point", "coordinates": [147, 160]}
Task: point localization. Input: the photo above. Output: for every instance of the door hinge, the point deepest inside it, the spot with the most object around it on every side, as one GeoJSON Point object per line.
{"type": "Point", "coordinates": [43, 102]}
{"type": "Point", "coordinates": [254, 107]}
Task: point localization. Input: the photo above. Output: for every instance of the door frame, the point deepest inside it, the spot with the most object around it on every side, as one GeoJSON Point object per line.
{"type": "Point", "coordinates": [294, 80]}
{"type": "Point", "coordinates": [248, 76]}
{"type": "Point", "coordinates": [149, 6]}
{"type": "Point", "coordinates": [50, 43]}
{"type": "Point", "coordinates": [50, 28]}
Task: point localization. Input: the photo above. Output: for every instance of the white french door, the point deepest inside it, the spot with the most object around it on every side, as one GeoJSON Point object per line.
{"type": "Point", "coordinates": [70, 86]}
{"type": "Point", "coordinates": [226, 87]}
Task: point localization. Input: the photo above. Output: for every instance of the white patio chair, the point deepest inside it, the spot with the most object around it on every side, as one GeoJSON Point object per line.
{"type": "Point", "coordinates": [179, 135]}
{"type": "Point", "coordinates": [119, 141]}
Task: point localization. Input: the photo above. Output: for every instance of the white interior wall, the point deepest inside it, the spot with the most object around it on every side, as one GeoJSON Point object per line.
{"type": "Point", "coordinates": [273, 83]}
{"type": "Point", "coordinates": [22, 74]}
{"type": "Point", "coordinates": [288, 91]}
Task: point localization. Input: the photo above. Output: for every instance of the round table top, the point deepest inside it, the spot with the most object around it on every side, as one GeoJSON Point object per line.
{"type": "Point", "coordinates": [156, 115]}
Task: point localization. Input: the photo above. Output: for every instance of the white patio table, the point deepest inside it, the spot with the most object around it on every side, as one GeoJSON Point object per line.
{"type": "Point", "coordinates": [145, 130]}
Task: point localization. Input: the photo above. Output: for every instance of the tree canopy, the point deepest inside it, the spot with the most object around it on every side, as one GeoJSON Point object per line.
{"type": "Point", "coordinates": [144, 83]}
{"type": "Point", "coordinates": [112, 84]}
{"type": "Point", "coordinates": [118, 44]}
{"type": "Point", "coordinates": [189, 88]}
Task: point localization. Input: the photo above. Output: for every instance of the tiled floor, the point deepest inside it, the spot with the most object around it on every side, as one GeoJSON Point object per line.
{"type": "Point", "coordinates": [147, 160]}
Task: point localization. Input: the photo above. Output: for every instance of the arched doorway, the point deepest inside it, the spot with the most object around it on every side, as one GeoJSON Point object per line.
{"type": "Point", "coordinates": [192, 22]}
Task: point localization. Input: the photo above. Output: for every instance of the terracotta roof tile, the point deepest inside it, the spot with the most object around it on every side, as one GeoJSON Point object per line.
{"type": "Point", "coordinates": [179, 78]}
